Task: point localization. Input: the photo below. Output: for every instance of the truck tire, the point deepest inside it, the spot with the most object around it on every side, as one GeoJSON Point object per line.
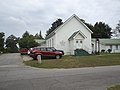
{"type": "Point", "coordinates": [57, 56]}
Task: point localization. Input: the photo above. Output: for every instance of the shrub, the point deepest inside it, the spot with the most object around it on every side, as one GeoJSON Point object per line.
{"type": "Point", "coordinates": [102, 51]}
{"type": "Point", "coordinates": [109, 50]}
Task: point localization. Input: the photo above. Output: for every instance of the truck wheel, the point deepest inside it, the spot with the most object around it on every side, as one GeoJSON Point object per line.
{"type": "Point", "coordinates": [58, 56]}
{"type": "Point", "coordinates": [35, 58]}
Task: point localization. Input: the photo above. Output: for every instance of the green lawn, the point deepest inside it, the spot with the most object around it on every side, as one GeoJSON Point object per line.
{"type": "Point", "coordinates": [78, 61]}
{"type": "Point", "coordinates": [116, 87]}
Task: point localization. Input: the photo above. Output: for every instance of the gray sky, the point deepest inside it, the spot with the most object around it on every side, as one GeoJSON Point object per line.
{"type": "Point", "coordinates": [17, 16]}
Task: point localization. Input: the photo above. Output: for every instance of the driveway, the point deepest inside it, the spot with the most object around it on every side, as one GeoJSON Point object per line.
{"type": "Point", "coordinates": [16, 76]}
{"type": "Point", "coordinates": [10, 59]}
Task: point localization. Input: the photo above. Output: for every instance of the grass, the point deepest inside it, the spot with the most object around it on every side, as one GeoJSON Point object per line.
{"type": "Point", "coordinates": [78, 61]}
{"type": "Point", "coordinates": [116, 87]}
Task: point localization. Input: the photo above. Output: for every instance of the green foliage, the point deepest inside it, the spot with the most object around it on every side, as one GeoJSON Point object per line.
{"type": "Point", "coordinates": [90, 26]}
{"type": "Point", "coordinates": [55, 24]}
{"type": "Point", "coordinates": [2, 41]}
{"type": "Point", "coordinates": [11, 42]}
{"type": "Point", "coordinates": [116, 31]}
{"type": "Point", "coordinates": [38, 36]}
{"type": "Point", "coordinates": [27, 41]}
{"type": "Point", "coordinates": [116, 87]}
{"type": "Point", "coordinates": [109, 50]}
{"type": "Point", "coordinates": [26, 34]}
{"type": "Point", "coordinates": [103, 51]}
{"type": "Point", "coordinates": [100, 29]}
{"type": "Point", "coordinates": [118, 27]}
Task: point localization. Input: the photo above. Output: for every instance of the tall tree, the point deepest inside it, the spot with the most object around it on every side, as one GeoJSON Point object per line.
{"type": "Point", "coordinates": [26, 34]}
{"type": "Point", "coordinates": [2, 41]}
{"type": "Point", "coordinates": [116, 31]}
{"type": "Point", "coordinates": [39, 36]}
{"type": "Point", "coordinates": [55, 24]}
{"type": "Point", "coordinates": [36, 36]}
{"type": "Point", "coordinates": [27, 41]}
{"type": "Point", "coordinates": [101, 30]}
{"type": "Point", "coordinates": [118, 27]}
{"type": "Point", "coordinates": [11, 42]}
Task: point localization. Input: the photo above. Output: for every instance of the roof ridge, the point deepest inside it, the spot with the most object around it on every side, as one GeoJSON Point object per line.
{"type": "Point", "coordinates": [74, 15]}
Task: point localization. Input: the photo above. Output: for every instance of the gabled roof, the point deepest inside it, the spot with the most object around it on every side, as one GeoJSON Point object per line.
{"type": "Point", "coordinates": [109, 41]}
{"type": "Point", "coordinates": [73, 16]}
{"type": "Point", "coordinates": [74, 34]}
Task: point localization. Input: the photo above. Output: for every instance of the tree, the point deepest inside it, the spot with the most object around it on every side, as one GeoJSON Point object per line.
{"type": "Point", "coordinates": [26, 34]}
{"type": "Point", "coordinates": [90, 26]}
{"type": "Point", "coordinates": [118, 27]}
{"type": "Point", "coordinates": [55, 24]}
{"type": "Point", "coordinates": [38, 36]}
{"type": "Point", "coordinates": [27, 41]}
{"type": "Point", "coordinates": [101, 30]}
{"type": "Point", "coordinates": [116, 31]}
{"type": "Point", "coordinates": [11, 42]}
{"type": "Point", "coordinates": [2, 41]}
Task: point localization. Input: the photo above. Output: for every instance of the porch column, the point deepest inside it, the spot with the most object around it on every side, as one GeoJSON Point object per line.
{"type": "Point", "coordinates": [97, 46]}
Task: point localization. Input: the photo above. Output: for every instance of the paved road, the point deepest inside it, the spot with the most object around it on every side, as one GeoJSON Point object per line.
{"type": "Point", "coordinates": [15, 76]}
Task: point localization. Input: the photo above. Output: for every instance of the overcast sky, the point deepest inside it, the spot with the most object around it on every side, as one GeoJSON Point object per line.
{"type": "Point", "coordinates": [17, 16]}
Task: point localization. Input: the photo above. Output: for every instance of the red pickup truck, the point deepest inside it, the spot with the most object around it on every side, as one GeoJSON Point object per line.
{"type": "Point", "coordinates": [46, 52]}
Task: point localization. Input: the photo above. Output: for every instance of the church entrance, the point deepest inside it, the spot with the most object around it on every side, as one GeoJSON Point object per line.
{"type": "Point", "coordinates": [78, 44]}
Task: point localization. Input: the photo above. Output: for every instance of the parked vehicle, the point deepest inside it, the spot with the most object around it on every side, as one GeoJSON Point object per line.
{"type": "Point", "coordinates": [57, 50]}
{"type": "Point", "coordinates": [23, 51]}
{"type": "Point", "coordinates": [45, 52]}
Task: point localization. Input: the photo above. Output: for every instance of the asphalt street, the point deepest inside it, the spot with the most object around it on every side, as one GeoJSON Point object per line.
{"type": "Point", "coordinates": [14, 75]}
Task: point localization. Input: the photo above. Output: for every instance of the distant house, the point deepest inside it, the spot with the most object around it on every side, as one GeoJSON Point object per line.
{"type": "Point", "coordinates": [105, 44]}
{"type": "Point", "coordinates": [71, 35]}
{"type": "Point", "coordinates": [41, 42]}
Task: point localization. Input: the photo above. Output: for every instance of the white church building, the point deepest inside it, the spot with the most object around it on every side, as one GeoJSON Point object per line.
{"type": "Point", "coordinates": [71, 35]}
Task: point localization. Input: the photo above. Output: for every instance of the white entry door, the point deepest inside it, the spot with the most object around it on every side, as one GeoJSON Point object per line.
{"type": "Point", "coordinates": [79, 44]}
